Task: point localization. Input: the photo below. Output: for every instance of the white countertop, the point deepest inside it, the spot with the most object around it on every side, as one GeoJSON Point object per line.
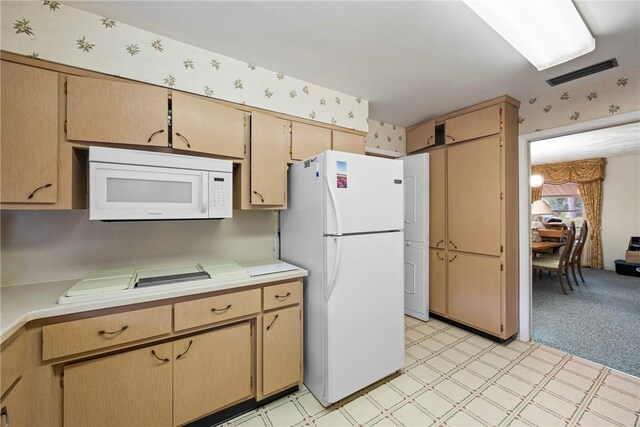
{"type": "Point", "coordinates": [23, 303]}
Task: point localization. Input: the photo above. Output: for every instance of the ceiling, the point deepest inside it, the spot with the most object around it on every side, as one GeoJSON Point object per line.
{"type": "Point", "coordinates": [610, 142]}
{"type": "Point", "coordinates": [411, 60]}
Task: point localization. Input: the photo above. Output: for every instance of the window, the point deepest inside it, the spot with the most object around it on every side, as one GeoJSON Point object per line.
{"type": "Point", "coordinates": [567, 208]}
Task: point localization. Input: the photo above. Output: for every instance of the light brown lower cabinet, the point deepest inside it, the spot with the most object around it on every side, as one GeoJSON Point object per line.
{"type": "Point", "coordinates": [211, 371]}
{"type": "Point", "coordinates": [474, 290]}
{"type": "Point", "coordinates": [126, 389]}
{"type": "Point", "coordinates": [281, 349]}
{"type": "Point", "coordinates": [437, 281]}
{"type": "Point", "coordinates": [14, 407]}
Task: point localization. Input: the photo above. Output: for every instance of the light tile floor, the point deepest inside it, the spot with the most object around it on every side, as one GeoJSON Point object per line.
{"type": "Point", "coordinates": [455, 378]}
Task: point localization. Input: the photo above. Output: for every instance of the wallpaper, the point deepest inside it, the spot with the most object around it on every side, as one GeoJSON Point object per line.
{"type": "Point", "coordinates": [59, 33]}
{"type": "Point", "coordinates": [614, 91]}
{"type": "Point", "coordinates": [386, 136]}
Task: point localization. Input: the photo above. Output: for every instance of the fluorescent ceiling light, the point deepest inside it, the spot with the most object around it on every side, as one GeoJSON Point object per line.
{"type": "Point", "coordinates": [546, 32]}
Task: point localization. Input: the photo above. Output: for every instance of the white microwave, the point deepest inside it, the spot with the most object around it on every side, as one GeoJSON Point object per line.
{"type": "Point", "coordinates": [127, 185]}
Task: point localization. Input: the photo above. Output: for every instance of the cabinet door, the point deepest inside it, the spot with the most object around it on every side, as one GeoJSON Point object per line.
{"type": "Point", "coordinates": [204, 126]}
{"type": "Point", "coordinates": [348, 142]}
{"type": "Point", "coordinates": [421, 137]}
{"type": "Point", "coordinates": [211, 371]}
{"type": "Point", "coordinates": [437, 281]}
{"type": "Point", "coordinates": [473, 125]}
{"type": "Point", "coordinates": [126, 389]}
{"type": "Point", "coordinates": [437, 198]}
{"type": "Point", "coordinates": [474, 290]}
{"type": "Point", "coordinates": [308, 141]}
{"type": "Point", "coordinates": [281, 349]}
{"type": "Point", "coordinates": [29, 134]}
{"type": "Point", "coordinates": [473, 196]}
{"type": "Point", "coordinates": [14, 407]}
{"type": "Point", "coordinates": [269, 138]}
{"type": "Point", "coordinates": [116, 112]}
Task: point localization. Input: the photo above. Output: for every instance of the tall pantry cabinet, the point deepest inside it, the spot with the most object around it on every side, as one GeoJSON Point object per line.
{"type": "Point", "coordinates": [473, 216]}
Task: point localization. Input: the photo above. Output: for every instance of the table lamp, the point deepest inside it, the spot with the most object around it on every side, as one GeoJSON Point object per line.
{"type": "Point", "coordinates": [538, 208]}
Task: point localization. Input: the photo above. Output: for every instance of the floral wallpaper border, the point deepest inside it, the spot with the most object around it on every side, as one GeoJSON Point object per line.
{"type": "Point", "coordinates": [614, 91]}
{"type": "Point", "coordinates": [386, 136]}
{"type": "Point", "coordinates": [60, 33]}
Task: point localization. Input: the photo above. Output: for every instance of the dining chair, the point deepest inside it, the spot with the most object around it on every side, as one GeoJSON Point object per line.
{"type": "Point", "coordinates": [558, 265]}
{"type": "Point", "coordinates": [576, 254]}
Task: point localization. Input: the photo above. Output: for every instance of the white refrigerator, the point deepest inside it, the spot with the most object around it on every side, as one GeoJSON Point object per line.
{"type": "Point", "coordinates": [344, 224]}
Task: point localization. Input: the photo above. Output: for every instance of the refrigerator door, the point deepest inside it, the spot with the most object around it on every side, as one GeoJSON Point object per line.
{"type": "Point", "coordinates": [416, 236]}
{"type": "Point", "coordinates": [364, 311]}
{"type": "Point", "coordinates": [363, 193]}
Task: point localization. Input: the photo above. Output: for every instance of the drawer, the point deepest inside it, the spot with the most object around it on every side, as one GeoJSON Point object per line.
{"type": "Point", "coordinates": [281, 295]}
{"type": "Point", "coordinates": [12, 362]}
{"type": "Point", "coordinates": [206, 311]}
{"type": "Point", "coordinates": [78, 336]}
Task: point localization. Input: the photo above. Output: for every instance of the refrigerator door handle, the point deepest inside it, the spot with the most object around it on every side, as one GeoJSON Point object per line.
{"type": "Point", "coordinates": [336, 265]}
{"type": "Point", "coordinates": [336, 209]}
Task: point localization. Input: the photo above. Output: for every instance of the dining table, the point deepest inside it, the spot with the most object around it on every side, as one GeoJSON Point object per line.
{"type": "Point", "coordinates": [538, 247]}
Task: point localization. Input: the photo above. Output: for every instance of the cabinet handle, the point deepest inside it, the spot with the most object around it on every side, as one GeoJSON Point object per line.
{"type": "Point", "coordinates": [283, 297]}
{"type": "Point", "coordinates": [453, 244]}
{"type": "Point", "coordinates": [439, 256]}
{"type": "Point", "coordinates": [42, 187]}
{"type": "Point", "coordinates": [166, 359]}
{"type": "Point", "coordinates": [154, 134]}
{"type": "Point", "coordinates": [438, 244]}
{"type": "Point", "coordinates": [454, 257]}
{"type": "Point", "coordinates": [103, 332]}
{"type": "Point", "coordinates": [5, 413]}
{"type": "Point", "coordinates": [452, 138]}
{"type": "Point", "coordinates": [221, 310]}
{"type": "Point", "coordinates": [272, 322]}
{"type": "Point", "coordinates": [429, 139]}
{"type": "Point", "coordinates": [186, 351]}
{"type": "Point", "coordinates": [259, 195]}
{"type": "Point", "coordinates": [184, 139]}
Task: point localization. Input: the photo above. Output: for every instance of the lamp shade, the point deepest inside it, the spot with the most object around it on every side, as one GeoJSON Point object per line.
{"type": "Point", "coordinates": [536, 180]}
{"type": "Point", "coordinates": [540, 207]}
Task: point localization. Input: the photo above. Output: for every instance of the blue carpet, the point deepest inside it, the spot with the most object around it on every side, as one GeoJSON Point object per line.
{"type": "Point", "coordinates": [599, 321]}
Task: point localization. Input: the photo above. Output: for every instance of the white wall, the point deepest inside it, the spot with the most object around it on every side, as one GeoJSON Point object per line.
{"type": "Point", "coordinates": [42, 246]}
{"type": "Point", "coordinates": [620, 206]}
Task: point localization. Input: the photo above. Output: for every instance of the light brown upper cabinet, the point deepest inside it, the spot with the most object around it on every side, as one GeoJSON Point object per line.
{"type": "Point", "coordinates": [201, 125]}
{"type": "Point", "coordinates": [308, 141]}
{"type": "Point", "coordinates": [476, 124]}
{"type": "Point", "coordinates": [29, 134]}
{"type": "Point", "coordinates": [421, 137]}
{"type": "Point", "coordinates": [474, 196]}
{"type": "Point", "coordinates": [437, 199]}
{"type": "Point", "coordinates": [115, 112]}
{"type": "Point", "coordinates": [348, 142]}
{"type": "Point", "coordinates": [269, 143]}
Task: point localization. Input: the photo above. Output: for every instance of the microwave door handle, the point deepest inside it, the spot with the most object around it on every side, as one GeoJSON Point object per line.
{"type": "Point", "coordinates": [203, 192]}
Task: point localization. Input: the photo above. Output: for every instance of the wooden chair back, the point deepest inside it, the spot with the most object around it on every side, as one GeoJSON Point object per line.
{"type": "Point", "coordinates": [566, 249]}
{"type": "Point", "coordinates": [582, 239]}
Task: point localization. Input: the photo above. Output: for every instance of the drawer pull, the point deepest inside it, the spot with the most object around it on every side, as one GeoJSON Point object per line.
{"type": "Point", "coordinates": [186, 141]}
{"type": "Point", "coordinates": [153, 353]}
{"type": "Point", "coordinates": [272, 322]}
{"type": "Point", "coordinates": [42, 187]}
{"type": "Point", "coordinates": [259, 195]}
{"type": "Point", "coordinates": [5, 413]}
{"type": "Point", "coordinates": [452, 138]}
{"type": "Point", "coordinates": [429, 139]}
{"type": "Point", "coordinates": [454, 257]}
{"type": "Point", "coordinates": [283, 297]}
{"type": "Point", "coordinates": [438, 244]}
{"type": "Point", "coordinates": [124, 328]}
{"type": "Point", "coordinates": [221, 310]}
{"type": "Point", "coordinates": [154, 134]}
{"type": "Point", "coordinates": [439, 256]}
{"type": "Point", "coordinates": [186, 351]}
{"type": "Point", "coordinates": [453, 244]}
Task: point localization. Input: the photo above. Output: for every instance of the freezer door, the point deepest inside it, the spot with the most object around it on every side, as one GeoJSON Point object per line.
{"type": "Point", "coordinates": [364, 193]}
{"type": "Point", "coordinates": [416, 198]}
{"type": "Point", "coordinates": [365, 311]}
